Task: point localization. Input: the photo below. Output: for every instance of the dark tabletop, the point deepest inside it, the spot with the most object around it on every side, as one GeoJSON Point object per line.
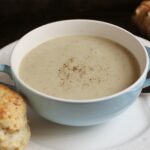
{"type": "Point", "coordinates": [17, 17]}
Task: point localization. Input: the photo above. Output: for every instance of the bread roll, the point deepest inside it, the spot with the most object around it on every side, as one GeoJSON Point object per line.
{"type": "Point", "coordinates": [142, 18]}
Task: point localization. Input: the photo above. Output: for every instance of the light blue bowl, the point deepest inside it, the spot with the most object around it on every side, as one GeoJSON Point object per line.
{"type": "Point", "coordinates": [79, 112]}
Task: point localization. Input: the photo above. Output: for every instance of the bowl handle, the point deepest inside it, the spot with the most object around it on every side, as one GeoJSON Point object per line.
{"type": "Point", "coordinates": [147, 82]}
{"type": "Point", "coordinates": [6, 69]}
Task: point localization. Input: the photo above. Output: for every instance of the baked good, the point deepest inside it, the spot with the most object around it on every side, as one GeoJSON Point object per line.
{"type": "Point", "coordinates": [14, 141]}
{"type": "Point", "coordinates": [142, 17]}
{"type": "Point", "coordinates": [14, 129]}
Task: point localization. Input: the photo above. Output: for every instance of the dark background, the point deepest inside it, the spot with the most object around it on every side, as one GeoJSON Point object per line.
{"type": "Point", "coordinates": [17, 17]}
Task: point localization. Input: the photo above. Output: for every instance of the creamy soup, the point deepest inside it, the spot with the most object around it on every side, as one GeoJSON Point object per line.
{"type": "Point", "coordinates": [79, 67]}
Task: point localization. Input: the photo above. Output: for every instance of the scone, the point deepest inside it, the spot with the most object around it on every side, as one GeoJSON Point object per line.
{"type": "Point", "coordinates": [14, 141]}
{"type": "Point", "coordinates": [14, 130]}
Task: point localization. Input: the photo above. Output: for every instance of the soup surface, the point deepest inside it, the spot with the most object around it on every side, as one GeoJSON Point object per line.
{"type": "Point", "coordinates": [79, 67]}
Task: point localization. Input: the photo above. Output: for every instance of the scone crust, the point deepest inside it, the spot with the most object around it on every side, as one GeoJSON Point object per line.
{"type": "Point", "coordinates": [15, 141]}
{"type": "Point", "coordinates": [12, 110]}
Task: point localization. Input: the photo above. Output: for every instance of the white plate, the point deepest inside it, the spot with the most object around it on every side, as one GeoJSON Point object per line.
{"type": "Point", "coordinates": [129, 131]}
